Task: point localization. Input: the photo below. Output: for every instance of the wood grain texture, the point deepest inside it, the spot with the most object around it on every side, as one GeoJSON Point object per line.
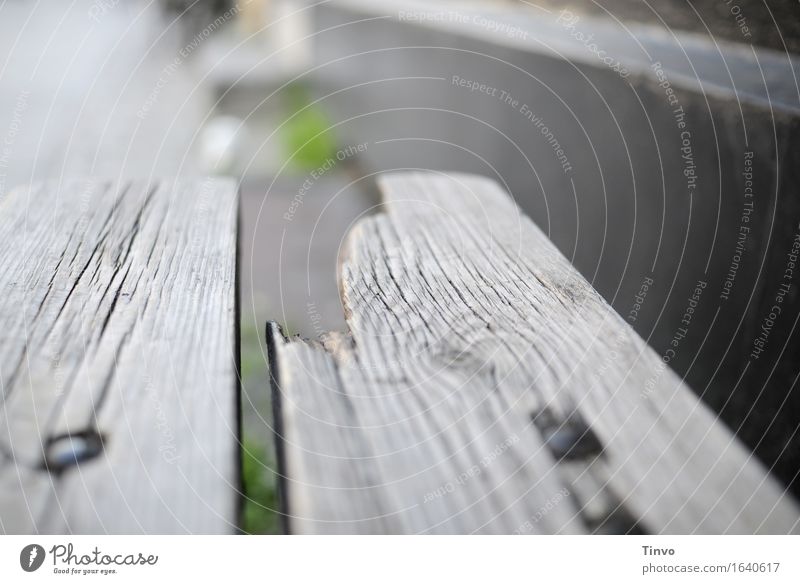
{"type": "Point", "coordinates": [119, 357]}
{"type": "Point", "coordinates": [484, 386]}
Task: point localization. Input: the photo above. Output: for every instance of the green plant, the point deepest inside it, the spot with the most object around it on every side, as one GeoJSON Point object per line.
{"type": "Point", "coordinates": [306, 134]}
{"type": "Point", "coordinates": [260, 512]}
{"type": "Point", "coordinates": [260, 508]}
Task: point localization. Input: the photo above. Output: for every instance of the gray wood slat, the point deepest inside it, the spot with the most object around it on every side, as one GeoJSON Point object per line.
{"type": "Point", "coordinates": [118, 357]}
{"type": "Point", "coordinates": [484, 386]}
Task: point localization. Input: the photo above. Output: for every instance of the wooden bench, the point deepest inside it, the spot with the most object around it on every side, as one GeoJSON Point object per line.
{"type": "Point", "coordinates": [118, 358]}
{"type": "Point", "coordinates": [484, 386]}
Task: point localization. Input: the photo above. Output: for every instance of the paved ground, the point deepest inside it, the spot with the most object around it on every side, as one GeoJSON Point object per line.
{"type": "Point", "coordinates": [82, 96]}
{"type": "Point", "coordinates": [290, 250]}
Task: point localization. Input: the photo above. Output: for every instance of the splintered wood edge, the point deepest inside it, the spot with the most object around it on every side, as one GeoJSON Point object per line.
{"type": "Point", "coordinates": [275, 340]}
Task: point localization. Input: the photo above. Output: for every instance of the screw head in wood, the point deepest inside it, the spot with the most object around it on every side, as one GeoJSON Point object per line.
{"type": "Point", "coordinates": [71, 449]}
{"type": "Point", "coordinates": [568, 439]}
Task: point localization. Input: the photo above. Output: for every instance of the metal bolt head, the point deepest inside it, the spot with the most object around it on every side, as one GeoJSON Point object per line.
{"type": "Point", "coordinates": [568, 439]}
{"type": "Point", "coordinates": [66, 450]}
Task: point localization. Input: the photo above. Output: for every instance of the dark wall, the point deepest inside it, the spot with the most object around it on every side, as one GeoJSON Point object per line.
{"type": "Point", "coordinates": [773, 23]}
{"type": "Point", "coordinates": [623, 210]}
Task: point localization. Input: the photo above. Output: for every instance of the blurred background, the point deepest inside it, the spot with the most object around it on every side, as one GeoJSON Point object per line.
{"type": "Point", "coordinates": [622, 127]}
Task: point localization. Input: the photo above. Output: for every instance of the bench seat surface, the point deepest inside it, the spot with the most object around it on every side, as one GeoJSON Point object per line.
{"type": "Point", "coordinates": [485, 387]}
{"type": "Point", "coordinates": [118, 357]}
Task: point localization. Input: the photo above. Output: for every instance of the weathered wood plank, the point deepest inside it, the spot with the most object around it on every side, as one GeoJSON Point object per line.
{"type": "Point", "coordinates": [484, 386]}
{"type": "Point", "coordinates": [119, 357]}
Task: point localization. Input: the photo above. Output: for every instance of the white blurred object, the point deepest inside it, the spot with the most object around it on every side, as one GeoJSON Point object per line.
{"type": "Point", "coordinates": [270, 45]}
{"type": "Point", "coordinates": [221, 141]}
{"type": "Point", "coordinates": [293, 31]}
